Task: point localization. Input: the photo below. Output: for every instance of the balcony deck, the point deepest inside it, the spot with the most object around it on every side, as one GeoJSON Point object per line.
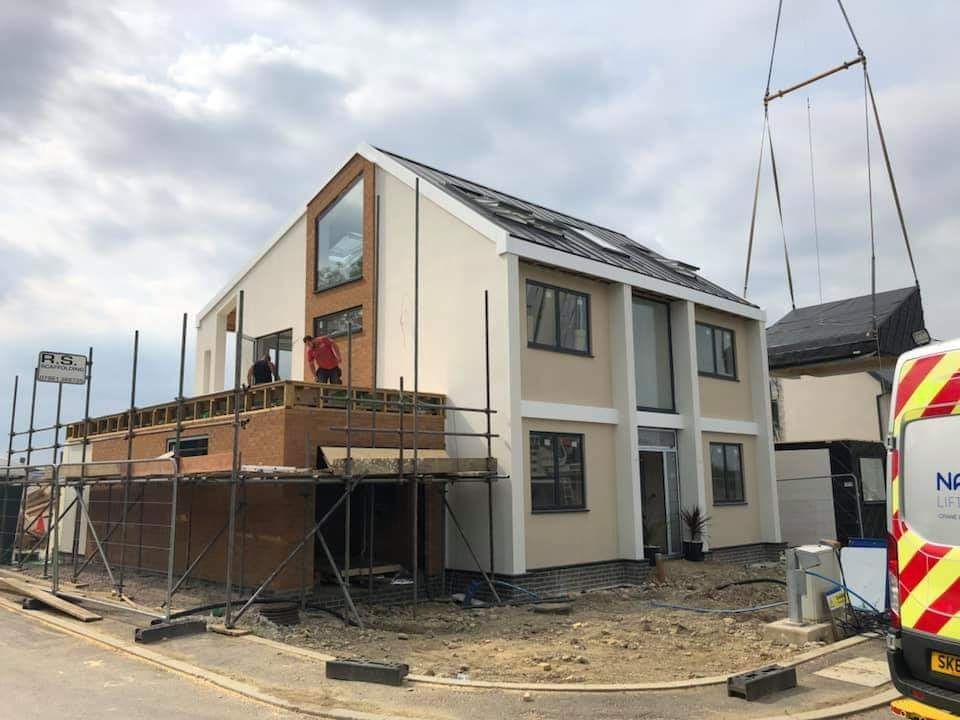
{"type": "Point", "coordinates": [284, 394]}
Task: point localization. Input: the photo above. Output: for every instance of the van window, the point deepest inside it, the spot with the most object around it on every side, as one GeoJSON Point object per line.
{"type": "Point", "coordinates": [930, 478]}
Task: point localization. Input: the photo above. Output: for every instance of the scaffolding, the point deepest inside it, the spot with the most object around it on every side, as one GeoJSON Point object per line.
{"type": "Point", "coordinates": [122, 488]}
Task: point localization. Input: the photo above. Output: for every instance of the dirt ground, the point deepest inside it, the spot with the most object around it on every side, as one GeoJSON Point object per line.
{"type": "Point", "coordinates": [614, 635]}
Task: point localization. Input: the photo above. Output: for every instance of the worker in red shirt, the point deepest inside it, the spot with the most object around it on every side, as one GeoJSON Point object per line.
{"type": "Point", "coordinates": [323, 357]}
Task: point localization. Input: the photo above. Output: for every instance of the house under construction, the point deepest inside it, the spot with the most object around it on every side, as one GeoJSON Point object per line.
{"type": "Point", "coordinates": [526, 395]}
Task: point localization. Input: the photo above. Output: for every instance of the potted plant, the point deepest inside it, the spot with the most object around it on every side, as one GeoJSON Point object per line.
{"type": "Point", "coordinates": [696, 523]}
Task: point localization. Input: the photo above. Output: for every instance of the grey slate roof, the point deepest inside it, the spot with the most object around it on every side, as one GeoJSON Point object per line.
{"type": "Point", "coordinates": [844, 329]}
{"type": "Point", "coordinates": [558, 231]}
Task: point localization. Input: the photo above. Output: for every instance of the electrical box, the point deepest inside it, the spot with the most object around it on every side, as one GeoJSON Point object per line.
{"type": "Point", "coordinates": [822, 560]}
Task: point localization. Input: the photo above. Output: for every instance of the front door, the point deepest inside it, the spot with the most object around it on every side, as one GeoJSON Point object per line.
{"type": "Point", "coordinates": [660, 490]}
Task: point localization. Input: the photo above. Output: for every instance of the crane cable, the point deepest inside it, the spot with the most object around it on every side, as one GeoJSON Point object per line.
{"type": "Point", "coordinates": [883, 145]}
{"type": "Point", "coordinates": [756, 188]}
{"type": "Point", "coordinates": [886, 158]}
{"type": "Point", "coordinates": [813, 195]}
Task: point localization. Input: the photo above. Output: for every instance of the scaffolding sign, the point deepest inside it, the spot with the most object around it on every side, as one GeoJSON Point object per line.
{"type": "Point", "coordinates": [58, 367]}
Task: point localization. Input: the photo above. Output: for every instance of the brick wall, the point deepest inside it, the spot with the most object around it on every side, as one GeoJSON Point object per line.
{"type": "Point", "coordinates": [360, 292]}
{"type": "Point", "coordinates": [274, 517]}
{"type": "Point", "coordinates": [756, 552]}
{"type": "Point", "coordinates": [557, 580]}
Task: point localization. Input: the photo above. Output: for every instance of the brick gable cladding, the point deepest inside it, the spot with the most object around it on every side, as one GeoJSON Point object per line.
{"type": "Point", "coordinates": [360, 292]}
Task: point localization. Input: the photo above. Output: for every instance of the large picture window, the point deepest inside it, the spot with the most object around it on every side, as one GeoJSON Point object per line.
{"type": "Point", "coordinates": [340, 240]}
{"type": "Point", "coordinates": [556, 472]}
{"type": "Point", "coordinates": [652, 358]}
{"type": "Point", "coordinates": [726, 466]}
{"type": "Point", "coordinates": [557, 319]}
{"type": "Point", "coordinates": [716, 356]}
{"type": "Point", "coordinates": [336, 324]}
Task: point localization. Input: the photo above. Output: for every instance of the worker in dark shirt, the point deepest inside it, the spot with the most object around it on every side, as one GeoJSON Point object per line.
{"type": "Point", "coordinates": [262, 371]}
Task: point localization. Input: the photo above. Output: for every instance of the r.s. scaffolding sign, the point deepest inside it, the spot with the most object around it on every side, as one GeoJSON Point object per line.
{"type": "Point", "coordinates": [58, 367]}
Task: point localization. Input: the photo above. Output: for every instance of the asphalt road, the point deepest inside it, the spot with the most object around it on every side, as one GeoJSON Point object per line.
{"type": "Point", "coordinates": [48, 674]}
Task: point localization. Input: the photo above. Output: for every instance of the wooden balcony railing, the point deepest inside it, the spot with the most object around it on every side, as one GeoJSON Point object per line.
{"type": "Point", "coordinates": [284, 394]}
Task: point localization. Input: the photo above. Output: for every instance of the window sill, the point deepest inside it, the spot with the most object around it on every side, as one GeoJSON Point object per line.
{"type": "Point", "coordinates": [562, 351]}
{"type": "Point", "coordinates": [640, 408]}
{"type": "Point", "coordinates": [735, 503]}
{"type": "Point", "coordinates": [317, 291]}
{"type": "Point", "coordinates": [717, 376]}
{"type": "Point", "coordinates": [553, 511]}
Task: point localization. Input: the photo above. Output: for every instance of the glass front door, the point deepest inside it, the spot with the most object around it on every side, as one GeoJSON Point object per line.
{"type": "Point", "coordinates": [660, 490]}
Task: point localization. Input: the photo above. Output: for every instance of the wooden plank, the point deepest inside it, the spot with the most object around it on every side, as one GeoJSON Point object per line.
{"type": "Point", "coordinates": [377, 570]}
{"type": "Point", "coordinates": [49, 599]}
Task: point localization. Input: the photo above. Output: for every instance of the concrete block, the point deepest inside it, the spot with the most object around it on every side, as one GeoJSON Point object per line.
{"type": "Point", "coordinates": [787, 633]}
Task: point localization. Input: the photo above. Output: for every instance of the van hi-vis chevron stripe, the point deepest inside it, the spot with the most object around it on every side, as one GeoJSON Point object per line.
{"type": "Point", "coordinates": [929, 573]}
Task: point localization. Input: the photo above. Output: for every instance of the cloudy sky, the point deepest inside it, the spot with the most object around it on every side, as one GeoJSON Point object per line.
{"type": "Point", "coordinates": [148, 149]}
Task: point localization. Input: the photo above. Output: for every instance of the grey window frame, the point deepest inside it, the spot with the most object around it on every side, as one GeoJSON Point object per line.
{"type": "Point", "coordinates": [556, 507]}
{"type": "Point", "coordinates": [259, 346]}
{"type": "Point", "coordinates": [673, 380]}
{"type": "Point", "coordinates": [357, 329]}
{"type": "Point", "coordinates": [742, 500]}
{"type": "Point", "coordinates": [316, 236]}
{"type": "Point", "coordinates": [713, 350]}
{"type": "Point", "coordinates": [172, 443]}
{"type": "Point", "coordinates": [557, 347]}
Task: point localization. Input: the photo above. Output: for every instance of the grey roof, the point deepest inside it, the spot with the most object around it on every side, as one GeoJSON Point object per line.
{"type": "Point", "coordinates": [540, 225]}
{"type": "Point", "coordinates": [844, 329]}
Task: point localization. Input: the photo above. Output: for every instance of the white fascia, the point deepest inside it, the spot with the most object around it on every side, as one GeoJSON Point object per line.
{"type": "Point", "coordinates": [549, 256]}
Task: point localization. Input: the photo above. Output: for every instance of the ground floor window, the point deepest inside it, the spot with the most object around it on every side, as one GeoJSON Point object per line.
{"type": "Point", "coordinates": [726, 466]}
{"type": "Point", "coordinates": [556, 471]}
{"type": "Point", "coordinates": [189, 446]}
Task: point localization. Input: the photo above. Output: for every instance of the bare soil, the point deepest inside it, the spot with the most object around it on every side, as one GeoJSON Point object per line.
{"type": "Point", "coordinates": [614, 635]}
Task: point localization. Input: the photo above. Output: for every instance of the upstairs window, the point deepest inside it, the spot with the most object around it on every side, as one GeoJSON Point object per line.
{"type": "Point", "coordinates": [340, 240]}
{"type": "Point", "coordinates": [652, 355]}
{"type": "Point", "coordinates": [557, 319]}
{"type": "Point", "coordinates": [726, 468]}
{"type": "Point", "coordinates": [716, 354]}
{"type": "Point", "coordinates": [280, 347]}
{"type": "Point", "coordinates": [336, 324]}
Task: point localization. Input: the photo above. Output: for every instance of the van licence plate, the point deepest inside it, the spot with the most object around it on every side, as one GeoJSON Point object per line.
{"type": "Point", "coordinates": [945, 664]}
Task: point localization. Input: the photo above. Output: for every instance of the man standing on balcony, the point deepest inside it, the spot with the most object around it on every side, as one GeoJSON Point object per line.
{"type": "Point", "coordinates": [262, 371]}
{"type": "Point", "coordinates": [323, 357]}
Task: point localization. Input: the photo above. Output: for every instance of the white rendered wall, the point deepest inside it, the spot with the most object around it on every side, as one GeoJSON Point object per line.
{"type": "Point", "coordinates": [838, 407]}
{"type": "Point", "coordinates": [274, 297]}
{"type": "Point", "coordinates": [456, 265]}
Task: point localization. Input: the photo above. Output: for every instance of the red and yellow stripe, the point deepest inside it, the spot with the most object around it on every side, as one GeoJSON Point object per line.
{"type": "Point", "coordinates": [929, 573]}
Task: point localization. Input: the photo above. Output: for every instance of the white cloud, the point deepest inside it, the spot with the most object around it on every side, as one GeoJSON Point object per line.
{"type": "Point", "coordinates": [147, 150]}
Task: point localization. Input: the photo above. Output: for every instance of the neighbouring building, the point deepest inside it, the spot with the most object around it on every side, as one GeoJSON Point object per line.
{"type": "Point", "coordinates": [626, 386]}
{"type": "Point", "coordinates": [831, 379]}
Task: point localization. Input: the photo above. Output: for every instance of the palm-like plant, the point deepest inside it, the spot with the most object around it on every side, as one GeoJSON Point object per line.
{"type": "Point", "coordinates": [695, 521]}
